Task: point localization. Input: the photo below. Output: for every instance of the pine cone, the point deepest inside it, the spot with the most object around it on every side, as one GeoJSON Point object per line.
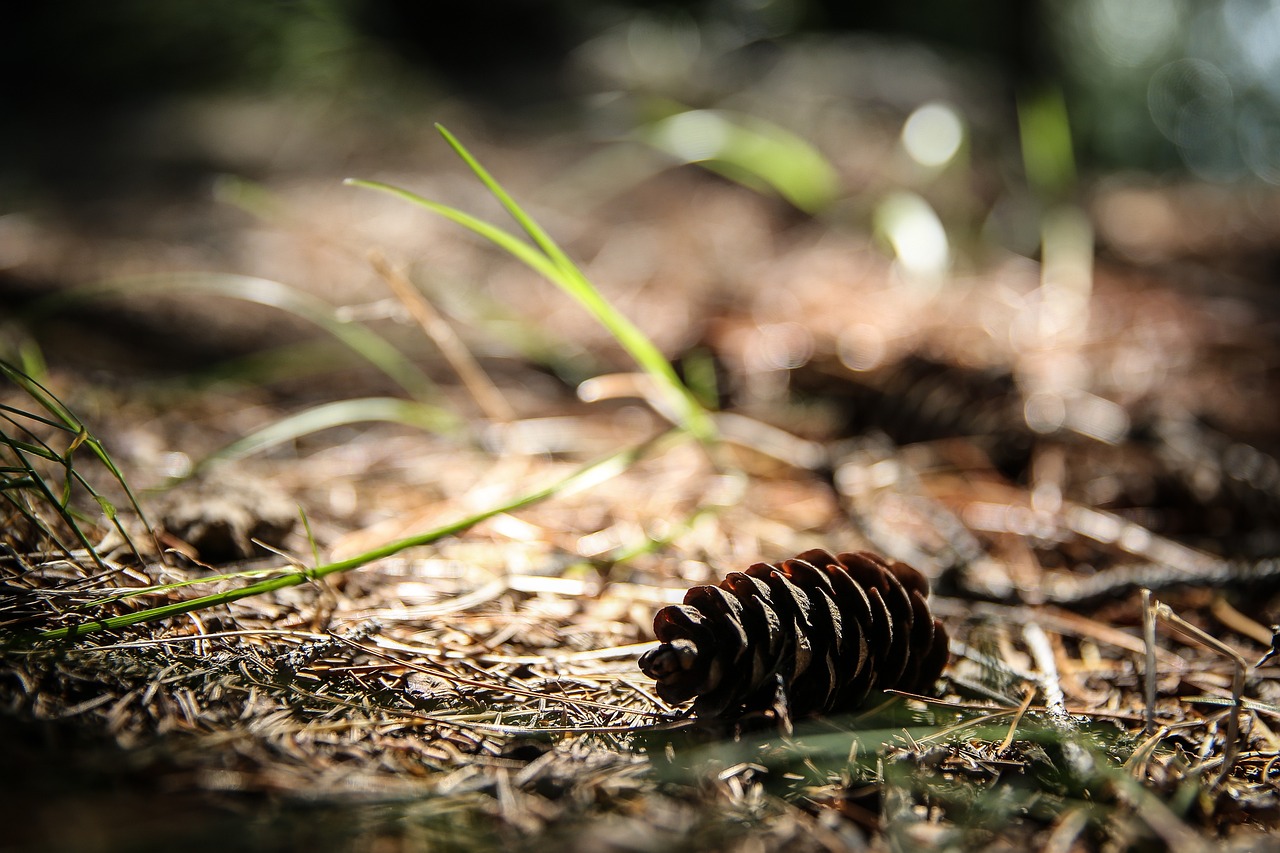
{"type": "Point", "coordinates": [832, 629]}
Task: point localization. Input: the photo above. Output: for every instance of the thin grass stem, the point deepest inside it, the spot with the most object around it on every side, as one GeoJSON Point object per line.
{"type": "Point", "coordinates": [359, 338]}
{"type": "Point", "coordinates": [546, 258]}
{"type": "Point", "coordinates": [584, 477]}
{"type": "Point", "coordinates": [483, 391]}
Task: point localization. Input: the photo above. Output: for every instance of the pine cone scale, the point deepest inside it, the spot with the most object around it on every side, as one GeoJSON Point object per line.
{"type": "Point", "coordinates": [892, 608]}
{"type": "Point", "coordinates": [815, 688]}
{"type": "Point", "coordinates": [922, 630]}
{"type": "Point", "coordinates": [794, 608]}
{"type": "Point", "coordinates": [762, 622]}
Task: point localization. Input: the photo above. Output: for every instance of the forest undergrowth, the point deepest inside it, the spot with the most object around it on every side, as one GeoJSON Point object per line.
{"type": "Point", "coordinates": [385, 585]}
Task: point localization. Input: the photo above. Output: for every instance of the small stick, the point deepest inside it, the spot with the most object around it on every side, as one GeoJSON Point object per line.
{"type": "Point", "coordinates": [483, 391]}
{"type": "Point", "coordinates": [1137, 762]}
{"type": "Point", "coordinates": [1238, 622]}
{"type": "Point", "coordinates": [1165, 613]}
{"type": "Point", "coordinates": [1017, 718]}
{"type": "Point", "coordinates": [1042, 653]}
{"type": "Point", "coordinates": [1149, 671]}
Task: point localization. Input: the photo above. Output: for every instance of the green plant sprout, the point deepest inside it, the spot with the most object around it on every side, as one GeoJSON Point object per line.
{"type": "Point", "coordinates": [546, 258]}
{"type": "Point", "coordinates": [756, 153]}
{"type": "Point", "coordinates": [329, 415]}
{"type": "Point", "coordinates": [25, 488]}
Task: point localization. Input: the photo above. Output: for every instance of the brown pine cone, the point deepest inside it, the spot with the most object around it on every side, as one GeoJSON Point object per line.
{"type": "Point", "coordinates": [830, 629]}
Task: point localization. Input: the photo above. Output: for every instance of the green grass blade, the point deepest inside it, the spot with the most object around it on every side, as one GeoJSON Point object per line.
{"type": "Point", "coordinates": [340, 413]}
{"type": "Point", "coordinates": [1047, 154]}
{"type": "Point", "coordinates": [311, 536]}
{"type": "Point", "coordinates": [751, 151]}
{"type": "Point", "coordinates": [585, 477]}
{"type": "Point", "coordinates": [9, 412]}
{"type": "Point", "coordinates": [32, 486]}
{"type": "Point", "coordinates": [504, 240]}
{"type": "Point", "coordinates": [369, 345]}
{"type": "Point", "coordinates": [547, 259]}
{"type": "Point", "coordinates": [574, 282]}
{"type": "Point", "coordinates": [30, 449]}
{"type": "Point", "coordinates": [42, 395]}
{"type": "Point", "coordinates": [173, 586]}
{"type": "Point", "coordinates": [535, 231]}
{"type": "Point", "coordinates": [65, 420]}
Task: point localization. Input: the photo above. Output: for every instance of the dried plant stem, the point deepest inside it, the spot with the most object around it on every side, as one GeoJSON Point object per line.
{"type": "Point", "coordinates": [1052, 619]}
{"type": "Point", "coordinates": [1238, 622]}
{"type": "Point", "coordinates": [1042, 653]}
{"type": "Point", "coordinates": [483, 391]}
{"type": "Point", "coordinates": [1017, 718]}
{"type": "Point", "coordinates": [1149, 673]}
{"type": "Point", "coordinates": [449, 675]}
{"type": "Point", "coordinates": [1137, 762]}
{"type": "Point", "coordinates": [1160, 610]}
{"type": "Point", "coordinates": [289, 634]}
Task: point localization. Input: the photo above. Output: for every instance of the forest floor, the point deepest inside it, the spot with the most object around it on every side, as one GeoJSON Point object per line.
{"type": "Point", "coordinates": [1041, 441]}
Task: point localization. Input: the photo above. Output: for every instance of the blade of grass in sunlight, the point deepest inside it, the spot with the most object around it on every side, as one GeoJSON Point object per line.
{"type": "Point", "coordinates": [18, 345]}
{"type": "Point", "coordinates": [546, 258]}
{"type": "Point", "coordinates": [329, 415]}
{"type": "Point", "coordinates": [1066, 232]}
{"type": "Point", "coordinates": [584, 477]}
{"type": "Point", "coordinates": [1047, 153]}
{"type": "Point", "coordinates": [369, 345]}
{"type": "Point", "coordinates": [749, 150]}
{"type": "Point", "coordinates": [487, 395]}
{"type": "Point", "coordinates": [30, 481]}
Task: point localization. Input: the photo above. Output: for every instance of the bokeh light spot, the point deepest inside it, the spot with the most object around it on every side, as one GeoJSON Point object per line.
{"type": "Point", "coordinates": [932, 134]}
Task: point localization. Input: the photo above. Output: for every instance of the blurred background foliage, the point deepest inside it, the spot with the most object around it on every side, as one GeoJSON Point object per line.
{"type": "Point", "coordinates": [1154, 85]}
